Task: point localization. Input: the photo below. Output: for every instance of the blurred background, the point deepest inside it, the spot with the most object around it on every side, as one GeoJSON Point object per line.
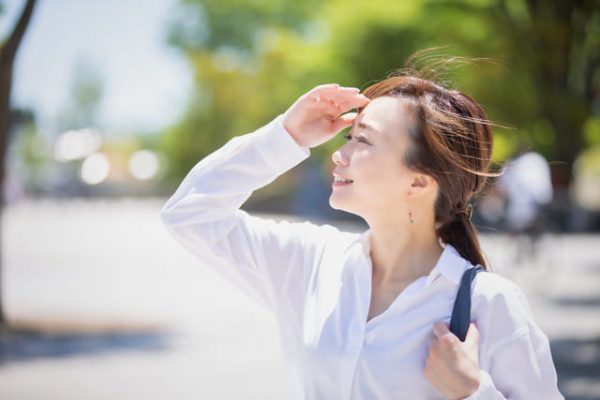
{"type": "Point", "coordinates": [105, 107]}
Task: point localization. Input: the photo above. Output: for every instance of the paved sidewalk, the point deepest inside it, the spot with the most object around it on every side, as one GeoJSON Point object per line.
{"type": "Point", "coordinates": [128, 314]}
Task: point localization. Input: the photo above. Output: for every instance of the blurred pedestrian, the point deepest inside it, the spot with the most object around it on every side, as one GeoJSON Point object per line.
{"type": "Point", "coordinates": [527, 187]}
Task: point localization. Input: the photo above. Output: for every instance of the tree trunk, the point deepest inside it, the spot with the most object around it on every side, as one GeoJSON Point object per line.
{"type": "Point", "coordinates": [8, 53]}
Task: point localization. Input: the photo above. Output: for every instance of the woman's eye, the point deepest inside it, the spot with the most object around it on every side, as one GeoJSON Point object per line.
{"type": "Point", "coordinates": [360, 139]}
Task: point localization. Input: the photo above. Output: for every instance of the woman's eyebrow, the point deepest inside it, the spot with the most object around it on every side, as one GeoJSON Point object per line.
{"type": "Point", "coordinates": [367, 127]}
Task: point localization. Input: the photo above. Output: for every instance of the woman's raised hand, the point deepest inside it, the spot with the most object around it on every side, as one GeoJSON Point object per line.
{"type": "Point", "coordinates": [316, 116]}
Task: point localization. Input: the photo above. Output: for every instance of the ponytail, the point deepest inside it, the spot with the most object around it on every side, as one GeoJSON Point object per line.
{"type": "Point", "coordinates": [462, 234]}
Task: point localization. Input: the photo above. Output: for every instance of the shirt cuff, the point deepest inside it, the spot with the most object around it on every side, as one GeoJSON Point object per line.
{"type": "Point", "coordinates": [278, 147]}
{"type": "Point", "coordinates": [486, 390]}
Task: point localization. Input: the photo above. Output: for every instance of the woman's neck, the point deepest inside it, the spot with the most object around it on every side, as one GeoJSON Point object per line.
{"type": "Point", "coordinates": [403, 253]}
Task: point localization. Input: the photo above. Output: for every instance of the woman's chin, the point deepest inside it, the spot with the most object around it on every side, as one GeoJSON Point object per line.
{"type": "Point", "coordinates": [336, 203]}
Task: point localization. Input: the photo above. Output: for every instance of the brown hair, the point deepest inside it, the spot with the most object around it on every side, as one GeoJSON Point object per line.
{"type": "Point", "coordinates": [452, 142]}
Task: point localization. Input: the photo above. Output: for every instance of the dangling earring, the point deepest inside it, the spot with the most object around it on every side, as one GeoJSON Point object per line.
{"type": "Point", "coordinates": [410, 217]}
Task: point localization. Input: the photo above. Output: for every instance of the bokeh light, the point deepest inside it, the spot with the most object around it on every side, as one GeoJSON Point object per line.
{"type": "Point", "coordinates": [76, 144]}
{"type": "Point", "coordinates": [95, 168]}
{"type": "Point", "coordinates": [143, 165]}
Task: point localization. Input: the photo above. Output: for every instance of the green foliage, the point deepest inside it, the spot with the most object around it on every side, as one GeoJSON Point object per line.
{"type": "Point", "coordinates": [534, 68]}
{"type": "Point", "coordinates": [591, 131]}
{"type": "Point", "coordinates": [588, 163]}
{"type": "Point", "coordinates": [211, 24]}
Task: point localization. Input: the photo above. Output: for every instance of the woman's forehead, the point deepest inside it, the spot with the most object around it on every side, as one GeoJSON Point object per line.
{"type": "Point", "coordinates": [386, 116]}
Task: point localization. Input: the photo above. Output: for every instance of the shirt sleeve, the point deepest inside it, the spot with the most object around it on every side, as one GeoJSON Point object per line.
{"type": "Point", "coordinates": [520, 365]}
{"type": "Point", "coordinates": [268, 260]}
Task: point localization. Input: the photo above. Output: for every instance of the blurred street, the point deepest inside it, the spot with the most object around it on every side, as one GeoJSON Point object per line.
{"type": "Point", "coordinates": [111, 307]}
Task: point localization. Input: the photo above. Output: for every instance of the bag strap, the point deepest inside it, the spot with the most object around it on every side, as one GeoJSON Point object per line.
{"type": "Point", "coordinates": [461, 313]}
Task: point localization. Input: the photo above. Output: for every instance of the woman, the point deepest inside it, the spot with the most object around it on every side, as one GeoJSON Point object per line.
{"type": "Point", "coordinates": [365, 316]}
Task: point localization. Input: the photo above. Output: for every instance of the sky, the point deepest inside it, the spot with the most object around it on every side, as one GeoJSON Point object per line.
{"type": "Point", "coordinates": [145, 81]}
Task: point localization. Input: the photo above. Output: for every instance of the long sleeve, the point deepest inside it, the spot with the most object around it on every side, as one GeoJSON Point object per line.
{"type": "Point", "coordinates": [523, 368]}
{"type": "Point", "coordinates": [519, 364]}
{"type": "Point", "coordinates": [268, 260]}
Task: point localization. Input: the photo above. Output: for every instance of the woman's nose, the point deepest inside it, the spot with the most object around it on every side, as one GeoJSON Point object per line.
{"type": "Point", "coordinates": [337, 157]}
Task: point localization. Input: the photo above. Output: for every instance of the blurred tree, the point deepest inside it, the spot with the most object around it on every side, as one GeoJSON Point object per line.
{"type": "Point", "coordinates": [210, 25]}
{"type": "Point", "coordinates": [80, 113]}
{"type": "Point", "coordinates": [253, 58]}
{"type": "Point", "coordinates": [545, 83]}
{"type": "Point", "coordinates": [32, 151]}
{"type": "Point", "coordinates": [8, 53]}
{"type": "Point", "coordinates": [86, 94]}
{"type": "Point", "coordinates": [557, 43]}
{"type": "Point", "coordinates": [227, 44]}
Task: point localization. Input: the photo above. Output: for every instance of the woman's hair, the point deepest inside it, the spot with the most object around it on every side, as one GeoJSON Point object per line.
{"type": "Point", "coordinates": [452, 142]}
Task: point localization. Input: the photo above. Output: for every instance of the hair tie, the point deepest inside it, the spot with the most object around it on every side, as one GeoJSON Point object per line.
{"type": "Point", "coordinates": [467, 211]}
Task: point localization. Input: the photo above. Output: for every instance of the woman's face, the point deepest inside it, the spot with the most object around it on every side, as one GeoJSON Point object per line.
{"type": "Point", "coordinates": [373, 159]}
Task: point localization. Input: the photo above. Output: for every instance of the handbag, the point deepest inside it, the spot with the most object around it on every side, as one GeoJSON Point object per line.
{"type": "Point", "coordinates": [461, 313]}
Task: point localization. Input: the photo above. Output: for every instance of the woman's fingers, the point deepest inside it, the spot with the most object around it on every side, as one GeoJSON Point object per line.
{"type": "Point", "coordinates": [319, 113]}
{"type": "Point", "coordinates": [326, 106]}
{"type": "Point", "coordinates": [343, 121]}
{"type": "Point", "coordinates": [332, 87]}
{"type": "Point", "coordinates": [357, 100]}
{"type": "Point", "coordinates": [333, 92]}
{"type": "Point", "coordinates": [338, 104]}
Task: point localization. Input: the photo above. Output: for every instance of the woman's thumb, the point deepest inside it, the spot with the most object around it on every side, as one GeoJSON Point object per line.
{"type": "Point", "coordinates": [343, 121]}
{"type": "Point", "coordinates": [472, 334]}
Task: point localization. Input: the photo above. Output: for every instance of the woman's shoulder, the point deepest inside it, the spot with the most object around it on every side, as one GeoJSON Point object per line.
{"type": "Point", "coordinates": [493, 286]}
{"type": "Point", "coordinates": [502, 302]}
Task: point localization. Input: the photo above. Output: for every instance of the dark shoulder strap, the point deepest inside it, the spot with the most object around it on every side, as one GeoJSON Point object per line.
{"type": "Point", "coordinates": [461, 313]}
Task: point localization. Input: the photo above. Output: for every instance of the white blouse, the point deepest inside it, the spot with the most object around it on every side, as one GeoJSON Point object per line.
{"type": "Point", "coordinates": [316, 279]}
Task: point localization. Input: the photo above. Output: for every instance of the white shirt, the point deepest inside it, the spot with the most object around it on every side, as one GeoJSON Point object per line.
{"type": "Point", "coordinates": [317, 281]}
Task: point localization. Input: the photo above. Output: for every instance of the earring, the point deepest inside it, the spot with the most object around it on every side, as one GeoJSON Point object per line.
{"type": "Point", "coordinates": [410, 218]}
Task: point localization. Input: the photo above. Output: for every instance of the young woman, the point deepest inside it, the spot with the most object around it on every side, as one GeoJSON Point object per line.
{"type": "Point", "coordinates": [365, 316]}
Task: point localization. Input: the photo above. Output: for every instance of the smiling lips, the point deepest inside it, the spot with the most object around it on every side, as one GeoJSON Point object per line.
{"type": "Point", "coordinates": [340, 181]}
{"type": "Point", "coordinates": [339, 178]}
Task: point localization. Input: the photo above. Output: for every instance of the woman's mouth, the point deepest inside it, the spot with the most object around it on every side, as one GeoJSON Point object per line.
{"type": "Point", "coordinates": [341, 182]}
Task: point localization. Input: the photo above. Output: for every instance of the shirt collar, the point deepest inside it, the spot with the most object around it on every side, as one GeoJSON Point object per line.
{"type": "Point", "coordinates": [451, 264]}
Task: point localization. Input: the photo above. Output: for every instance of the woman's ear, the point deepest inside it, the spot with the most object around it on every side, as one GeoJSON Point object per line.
{"type": "Point", "coordinates": [422, 184]}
